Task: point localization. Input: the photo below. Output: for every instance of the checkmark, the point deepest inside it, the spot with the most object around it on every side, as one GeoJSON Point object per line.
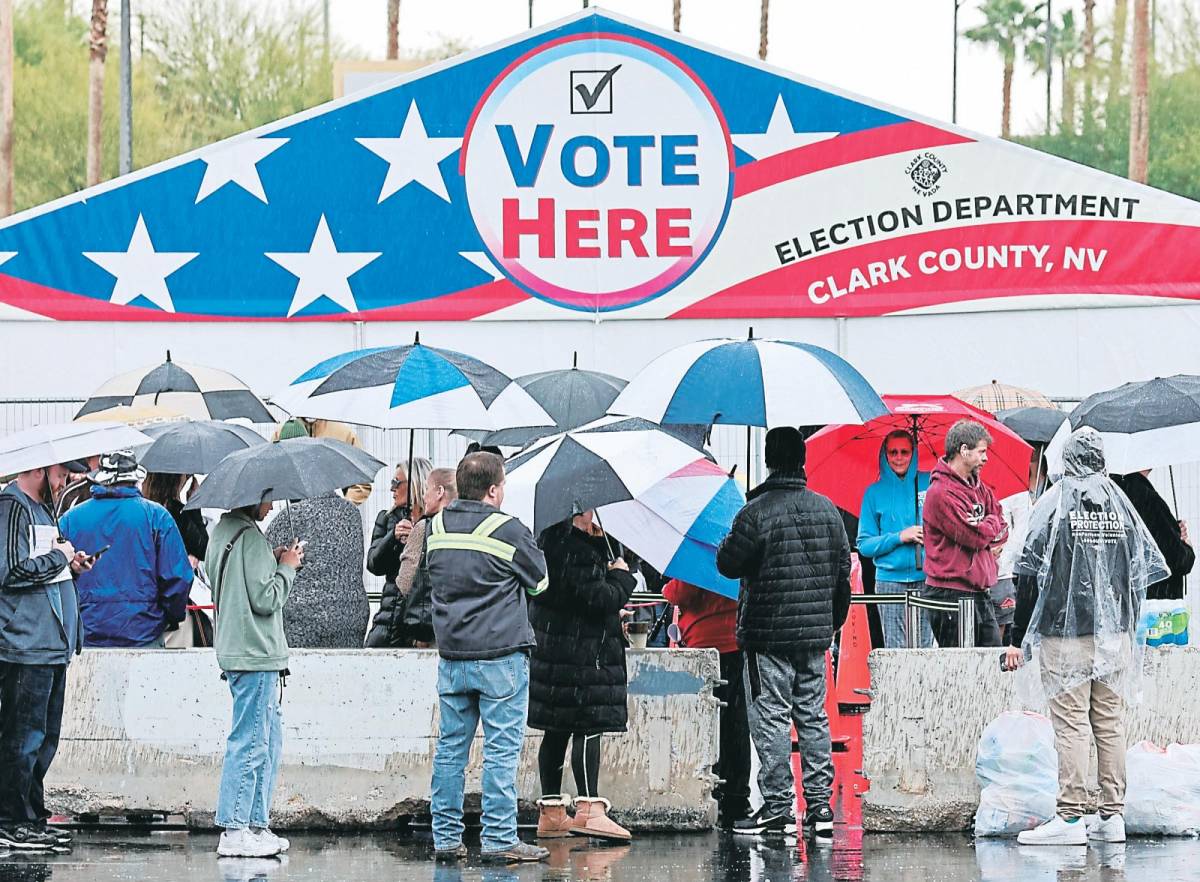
{"type": "Point", "coordinates": [590, 97]}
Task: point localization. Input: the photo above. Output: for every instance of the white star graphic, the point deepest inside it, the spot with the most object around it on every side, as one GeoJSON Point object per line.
{"type": "Point", "coordinates": [481, 260]}
{"type": "Point", "coordinates": [237, 164]}
{"type": "Point", "coordinates": [780, 135]}
{"type": "Point", "coordinates": [140, 270]}
{"type": "Point", "coordinates": [6, 256]}
{"type": "Point", "coordinates": [323, 270]}
{"type": "Point", "coordinates": [414, 156]}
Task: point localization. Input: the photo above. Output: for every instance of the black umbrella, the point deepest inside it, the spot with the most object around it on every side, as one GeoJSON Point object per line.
{"type": "Point", "coordinates": [1035, 425]}
{"type": "Point", "coordinates": [298, 468]}
{"type": "Point", "coordinates": [571, 397]}
{"type": "Point", "coordinates": [195, 448]}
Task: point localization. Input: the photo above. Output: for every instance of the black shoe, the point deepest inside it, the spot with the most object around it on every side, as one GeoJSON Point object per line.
{"type": "Point", "coordinates": [61, 835]}
{"type": "Point", "coordinates": [450, 855]}
{"type": "Point", "coordinates": [765, 823]}
{"type": "Point", "coordinates": [26, 837]}
{"type": "Point", "coordinates": [818, 823]}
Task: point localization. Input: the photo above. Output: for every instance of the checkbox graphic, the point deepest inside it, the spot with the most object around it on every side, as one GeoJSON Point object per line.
{"type": "Point", "coordinates": [592, 90]}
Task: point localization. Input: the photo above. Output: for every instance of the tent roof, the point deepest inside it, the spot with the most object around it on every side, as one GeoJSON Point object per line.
{"type": "Point", "coordinates": [753, 192]}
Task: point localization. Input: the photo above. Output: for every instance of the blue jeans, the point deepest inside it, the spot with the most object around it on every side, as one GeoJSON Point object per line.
{"type": "Point", "coordinates": [891, 616]}
{"type": "Point", "coordinates": [253, 751]}
{"type": "Point", "coordinates": [31, 708]}
{"type": "Point", "coordinates": [495, 691]}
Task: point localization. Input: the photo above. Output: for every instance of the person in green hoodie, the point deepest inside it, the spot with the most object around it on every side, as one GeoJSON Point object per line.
{"type": "Point", "coordinates": [889, 533]}
{"type": "Point", "coordinates": [250, 585]}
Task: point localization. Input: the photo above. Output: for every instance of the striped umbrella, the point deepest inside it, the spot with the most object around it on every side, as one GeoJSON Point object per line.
{"type": "Point", "coordinates": [613, 459]}
{"type": "Point", "coordinates": [752, 382]}
{"type": "Point", "coordinates": [412, 387]}
{"type": "Point", "coordinates": [677, 524]}
{"type": "Point", "coordinates": [193, 390]}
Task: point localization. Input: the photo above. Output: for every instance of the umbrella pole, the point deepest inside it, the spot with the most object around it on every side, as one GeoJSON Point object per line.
{"type": "Point", "coordinates": [409, 475]}
{"type": "Point", "coordinates": [1174, 498]}
{"type": "Point", "coordinates": [916, 466]}
{"type": "Point", "coordinates": [288, 505]}
{"type": "Point", "coordinates": [749, 429]}
{"type": "Point", "coordinates": [611, 554]}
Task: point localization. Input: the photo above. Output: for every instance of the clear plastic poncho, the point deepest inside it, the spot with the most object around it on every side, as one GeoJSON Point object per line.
{"type": "Point", "coordinates": [1093, 559]}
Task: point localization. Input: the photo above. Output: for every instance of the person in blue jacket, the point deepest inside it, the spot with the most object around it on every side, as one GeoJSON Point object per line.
{"type": "Point", "coordinates": [138, 587]}
{"type": "Point", "coordinates": [889, 532]}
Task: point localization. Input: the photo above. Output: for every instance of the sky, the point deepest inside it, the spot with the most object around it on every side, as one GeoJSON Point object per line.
{"type": "Point", "coordinates": [898, 52]}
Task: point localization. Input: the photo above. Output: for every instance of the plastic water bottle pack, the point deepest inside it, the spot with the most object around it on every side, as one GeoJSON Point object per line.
{"type": "Point", "coordinates": [1018, 770]}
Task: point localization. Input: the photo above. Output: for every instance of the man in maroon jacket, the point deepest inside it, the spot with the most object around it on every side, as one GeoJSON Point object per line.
{"type": "Point", "coordinates": [964, 533]}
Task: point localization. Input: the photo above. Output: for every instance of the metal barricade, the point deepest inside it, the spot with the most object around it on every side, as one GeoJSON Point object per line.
{"type": "Point", "coordinates": [914, 603]}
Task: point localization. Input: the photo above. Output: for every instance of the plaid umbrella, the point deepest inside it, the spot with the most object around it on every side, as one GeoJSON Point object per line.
{"type": "Point", "coordinates": [996, 396]}
{"type": "Point", "coordinates": [193, 390]}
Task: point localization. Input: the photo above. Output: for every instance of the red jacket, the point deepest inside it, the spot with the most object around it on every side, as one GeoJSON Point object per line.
{"type": "Point", "coordinates": [708, 620]}
{"type": "Point", "coordinates": [962, 522]}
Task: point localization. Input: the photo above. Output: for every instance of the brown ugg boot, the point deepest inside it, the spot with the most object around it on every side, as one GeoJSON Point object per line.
{"type": "Point", "coordinates": [591, 819]}
{"type": "Point", "coordinates": [553, 820]}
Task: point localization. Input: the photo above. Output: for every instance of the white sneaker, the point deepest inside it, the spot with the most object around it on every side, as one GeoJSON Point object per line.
{"type": "Point", "coordinates": [265, 832]}
{"type": "Point", "coordinates": [243, 843]}
{"type": "Point", "coordinates": [1056, 831]}
{"type": "Point", "coordinates": [1110, 829]}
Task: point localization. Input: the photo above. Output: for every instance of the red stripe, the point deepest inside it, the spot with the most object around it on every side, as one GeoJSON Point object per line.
{"type": "Point", "coordinates": [1140, 259]}
{"type": "Point", "coordinates": [462, 305]}
{"type": "Point", "coordinates": [842, 150]}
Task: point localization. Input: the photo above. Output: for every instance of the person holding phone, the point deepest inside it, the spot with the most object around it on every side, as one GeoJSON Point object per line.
{"type": "Point", "coordinates": [139, 588]}
{"type": "Point", "coordinates": [393, 527]}
{"type": "Point", "coordinates": [250, 585]}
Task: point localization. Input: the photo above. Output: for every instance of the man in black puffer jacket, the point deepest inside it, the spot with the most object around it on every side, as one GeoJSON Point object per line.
{"type": "Point", "coordinates": [789, 547]}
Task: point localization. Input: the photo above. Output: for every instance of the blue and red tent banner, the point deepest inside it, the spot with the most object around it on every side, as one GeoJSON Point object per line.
{"type": "Point", "coordinates": [597, 166]}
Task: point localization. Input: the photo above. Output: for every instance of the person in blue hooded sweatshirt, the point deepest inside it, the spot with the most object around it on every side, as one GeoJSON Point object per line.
{"type": "Point", "coordinates": [889, 532]}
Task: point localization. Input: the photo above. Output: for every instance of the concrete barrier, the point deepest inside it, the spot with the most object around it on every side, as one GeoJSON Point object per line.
{"type": "Point", "coordinates": [144, 730]}
{"type": "Point", "coordinates": [929, 710]}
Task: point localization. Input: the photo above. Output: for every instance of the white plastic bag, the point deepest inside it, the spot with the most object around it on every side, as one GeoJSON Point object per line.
{"type": "Point", "coordinates": [1162, 795]}
{"type": "Point", "coordinates": [1018, 770]}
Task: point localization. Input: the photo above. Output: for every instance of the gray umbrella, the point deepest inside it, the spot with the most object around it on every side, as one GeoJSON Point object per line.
{"type": "Point", "coordinates": [1035, 425]}
{"type": "Point", "coordinates": [298, 468]}
{"type": "Point", "coordinates": [195, 448]}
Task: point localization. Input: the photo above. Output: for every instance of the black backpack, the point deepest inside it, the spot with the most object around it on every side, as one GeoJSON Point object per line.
{"type": "Point", "coordinates": [416, 619]}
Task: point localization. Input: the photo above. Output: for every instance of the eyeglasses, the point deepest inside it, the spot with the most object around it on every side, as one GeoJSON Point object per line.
{"type": "Point", "coordinates": [397, 483]}
{"type": "Point", "coordinates": [900, 451]}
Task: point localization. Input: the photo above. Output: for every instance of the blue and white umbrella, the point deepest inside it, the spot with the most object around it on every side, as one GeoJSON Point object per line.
{"type": "Point", "coordinates": [678, 523]}
{"type": "Point", "coordinates": [751, 382]}
{"type": "Point", "coordinates": [412, 387]}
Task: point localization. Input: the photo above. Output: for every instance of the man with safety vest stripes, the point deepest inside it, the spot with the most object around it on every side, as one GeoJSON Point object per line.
{"type": "Point", "coordinates": [482, 564]}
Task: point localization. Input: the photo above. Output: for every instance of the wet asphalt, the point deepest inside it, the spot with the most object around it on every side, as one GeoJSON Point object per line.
{"type": "Point", "coordinates": [108, 855]}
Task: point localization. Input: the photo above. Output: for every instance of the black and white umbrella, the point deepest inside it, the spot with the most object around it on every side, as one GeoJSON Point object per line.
{"type": "Point", "coordinates": [298, 468]}
{"type": "Point", "coordinates": [195, 447]}
{"type": "Point", "coordinates": [1143, 425]}
{"type": "Point", "coordinates": [613, 459]}
{"type": "Point", "coordinates": [196, 391]}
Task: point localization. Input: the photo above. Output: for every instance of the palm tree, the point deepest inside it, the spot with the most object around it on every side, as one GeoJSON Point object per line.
{"type": "Point", "coordinates": [393, 29]}
{"type": "Point", "coordinates": [1139, 95]}
{"type": "Point", "coordinates": [6, 107]}
{"type": "Point", "coordinates": [677, 12]}
{"type": "Point", "coordinates": [1064, 38]}
{"type": "Point", "coordinates": [1006, 24]}
{"type": "Point", "coordinates": [1116, 75]}
{"type": "Point", "coordinates": [762, 30]}
{"type": "Point", "coordinates": [97, 50]}
{"type": "Point", "coordinates": [1089, 67]}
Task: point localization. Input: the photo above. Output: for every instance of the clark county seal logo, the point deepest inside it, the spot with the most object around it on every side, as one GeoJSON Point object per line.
{"type": "Point", "coordinates": [926, 172]}
{"type": "Point", "coordinates": [598, 171]}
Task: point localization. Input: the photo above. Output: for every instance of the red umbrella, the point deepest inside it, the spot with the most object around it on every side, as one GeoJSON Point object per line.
{"type": "Point", "coordinates": [844, 460]}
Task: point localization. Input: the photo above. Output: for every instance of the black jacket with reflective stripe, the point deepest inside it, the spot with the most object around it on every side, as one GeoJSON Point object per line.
{"type": "Point", "coordinates": [478, 587]}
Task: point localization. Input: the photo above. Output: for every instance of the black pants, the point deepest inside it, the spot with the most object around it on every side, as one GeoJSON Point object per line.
{"type": "Point", "coordinates": [585, 762]}
{"type": "Point", "coordinates": [31, 708]}
{"type": "Point", "coordinates": [733, 763]}
{"type": "Point", "coordinates": [945, 624]}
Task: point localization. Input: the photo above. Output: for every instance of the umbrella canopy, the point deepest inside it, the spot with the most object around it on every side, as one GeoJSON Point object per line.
{"type": "Point", "coordinates": [995, 396]}
{"type": "Point", "coordinates": [196, 447]}
{"type": "Point", "coordinates": [749, 383]}
{"type": "Point", "coordinates": [298, 468]}
{"type": "Point", "coordinates": [1036, 425]}
{"type": "Point", "coordinates": [412, 387]}
{"type": "Point", "coordinates": [844, 460]}
{"type": "Point", "coordinates": [140, 416]}
{"type": "Point", "coordinates": [677, 524]}
{"type": "Point", "coordinates": [572, 398]}
{"type": "Point", "coordinates": [613, 459]}
{"type": "Point", "coordinates": [196, 391]}
{"type": "Point", "coordinates": [54, 443]}
{"type": "Point", "coordinates": [1144, 425]}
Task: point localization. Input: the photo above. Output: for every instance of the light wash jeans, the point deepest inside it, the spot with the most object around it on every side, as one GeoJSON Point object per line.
{"type": "Point", "coordinates": [891, 616]}
{"type": "Point", "coordinates": [495, 691]}
{"type": "Point", "coordinates": [253, 751]}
